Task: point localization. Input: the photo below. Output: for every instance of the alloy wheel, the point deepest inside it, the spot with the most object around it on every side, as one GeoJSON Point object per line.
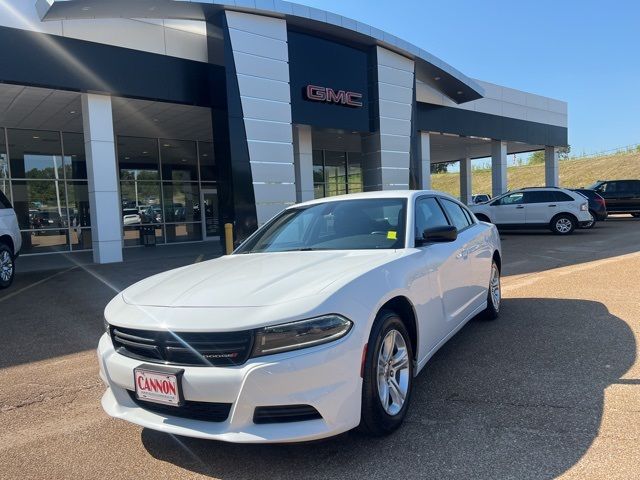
{"type": "Point", "coordinates": [393, 372]}
{"type": "Point", "coordinates": [6, 266]}
{"type": "Point", "coordinates": [563, 225]}
{"type": "Point", "coordinates": [494, 287]}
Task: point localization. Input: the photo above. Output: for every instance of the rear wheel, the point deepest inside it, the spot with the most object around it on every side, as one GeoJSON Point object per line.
{"type": "Point", "coordinates": [563, 224]}
{"type": "Point", "coordinates": [7, 266]}
{"type": "Point", "coordinates": [592, 222]}
{"type": "Point", "coordinates": [387, 376]}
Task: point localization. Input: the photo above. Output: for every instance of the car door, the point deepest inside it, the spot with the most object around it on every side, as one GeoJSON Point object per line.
{"type": "Point", "coordinates": [440, 277]}
{"type": "Point", "coordinates": [635, 201]}
{"type": "Point", "coordinates": [508, 209]}
{"type": "Point", "coordinates": [541, 206]}
{"type": "Point", "coordinates": [611, 194]}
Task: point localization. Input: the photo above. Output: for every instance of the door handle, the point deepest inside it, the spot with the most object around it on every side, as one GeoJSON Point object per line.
{"type": "Point", "coordinates": [554, 205]}
{"type": "Point", "coordinates": [520, 206]}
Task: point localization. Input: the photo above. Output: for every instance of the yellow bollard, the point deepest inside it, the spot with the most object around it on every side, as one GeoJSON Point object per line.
{"type": "Point", "coordinates": [228, 237]}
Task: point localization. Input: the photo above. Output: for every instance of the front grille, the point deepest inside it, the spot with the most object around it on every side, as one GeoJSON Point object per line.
{"type": "Point", "coordinates": [285, 414]}
{"type": "Point", "coordinates": [188, 348]}
{"type": "Point", "coordinates": [205, 411]}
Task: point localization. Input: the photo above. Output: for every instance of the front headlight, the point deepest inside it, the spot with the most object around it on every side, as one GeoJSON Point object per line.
{"type": "Point", "coordinates": [301, 334]}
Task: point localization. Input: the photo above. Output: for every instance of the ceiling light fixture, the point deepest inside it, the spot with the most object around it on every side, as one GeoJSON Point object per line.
{"type": "Point", "coordinates": [459, 92]}
{"type": "Point", "coordinates": [436, 79]}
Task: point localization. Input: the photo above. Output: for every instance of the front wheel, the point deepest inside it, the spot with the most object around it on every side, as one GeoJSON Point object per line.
{"type": "Point", "coordinates": [563, 224]}
{"type": "Point", "coordinates": [494, 294]}
{"type": "Point", "coordinates": [7, 266]}
{"type": "Point", "coordinates": [387, 376]}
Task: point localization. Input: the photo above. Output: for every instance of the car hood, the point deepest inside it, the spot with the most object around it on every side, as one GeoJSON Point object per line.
{"type": "Point", "coordinates": [253, 280]}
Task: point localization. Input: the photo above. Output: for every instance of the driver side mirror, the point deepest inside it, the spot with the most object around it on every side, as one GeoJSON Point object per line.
{"type": "Point", "coordinates": [444, 234]}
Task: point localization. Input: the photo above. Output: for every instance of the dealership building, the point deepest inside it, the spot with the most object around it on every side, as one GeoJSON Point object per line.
{"type": "Point", "coordinates": [175, 117]}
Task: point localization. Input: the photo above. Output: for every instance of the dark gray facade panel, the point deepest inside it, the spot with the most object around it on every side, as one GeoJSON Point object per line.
{"type": "Point", "coordinates": [37, 59]}
{"type": "Point", "coordinates": [436, 118]}
{"type": "Point", "coordinates": [325, 63]}
{"type": "Point", "coordinates": [236, 195]}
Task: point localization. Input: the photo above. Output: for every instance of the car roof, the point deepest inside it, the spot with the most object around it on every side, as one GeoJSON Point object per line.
{"type": "Point", "coordinates": [408, 194]}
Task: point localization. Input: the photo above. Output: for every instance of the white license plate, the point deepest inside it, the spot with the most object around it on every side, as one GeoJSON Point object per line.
{"type": "Point", "coordinates": [159, 386]}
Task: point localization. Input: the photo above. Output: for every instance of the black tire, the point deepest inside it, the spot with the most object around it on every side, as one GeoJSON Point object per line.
{"type": "Point", "coordinates": [593, 222]}
{"type": "Point", "coordinates": [7, 254]}
{"type": "Point", "coordinates": [492, 311]}
{"type": "Point", "coordinates": [563, 224]}
{"type": "Point", "coordinates": [375, 420]}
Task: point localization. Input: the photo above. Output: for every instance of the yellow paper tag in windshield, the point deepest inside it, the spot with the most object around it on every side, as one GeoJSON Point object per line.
{"type": "Point", "coordinates": [391, 235]}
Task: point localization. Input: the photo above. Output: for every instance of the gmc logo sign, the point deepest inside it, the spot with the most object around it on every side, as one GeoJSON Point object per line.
{"type": "Point", "coordinates": [329, 95]}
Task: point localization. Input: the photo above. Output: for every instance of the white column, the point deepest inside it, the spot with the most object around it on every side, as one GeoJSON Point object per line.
{"type": "Point", "coordinates": [551, 167]}
{"type": "Point", "coordinates": [261, 56]}
{"type": "Point", "coordinates": [498, 167]}
{"type": "Point", "coordinates": [386, 154]}
{"type": "Point", "coordinates": [465, 181]}
{"type": "Point", "coordinates": [425, 161]}
{"type": "Point", "coordinates": [303, 161]}
{"type": "Point", "coordinates": [102, 173]}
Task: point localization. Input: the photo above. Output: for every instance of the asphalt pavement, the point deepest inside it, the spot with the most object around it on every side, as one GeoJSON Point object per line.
{"type": "Point", "coordinates": [551, 389]}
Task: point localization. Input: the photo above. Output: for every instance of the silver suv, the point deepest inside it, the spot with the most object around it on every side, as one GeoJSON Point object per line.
{"type": "Point", "coordinates": [10, 242]}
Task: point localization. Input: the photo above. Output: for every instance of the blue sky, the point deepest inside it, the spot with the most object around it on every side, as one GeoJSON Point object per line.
{"type": "Point", "coordinates": [585, 52]}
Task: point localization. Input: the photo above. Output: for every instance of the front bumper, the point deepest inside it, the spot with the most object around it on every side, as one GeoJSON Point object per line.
{"type": "Point", "coordinates": [326, 377]}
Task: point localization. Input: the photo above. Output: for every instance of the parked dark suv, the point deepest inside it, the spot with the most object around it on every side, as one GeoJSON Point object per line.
{"type": "Point", "coordinates": [597, 205]}
{"type": "Point", "coordinates": [622, 196]}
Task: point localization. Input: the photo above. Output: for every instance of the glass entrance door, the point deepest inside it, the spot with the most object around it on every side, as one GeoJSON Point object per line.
{"type": "Point", "coordinates": [210, 218]}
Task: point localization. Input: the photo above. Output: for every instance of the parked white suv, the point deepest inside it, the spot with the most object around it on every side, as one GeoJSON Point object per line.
{"type": "Point", "coordinates": [557, 209]}
{"type": "Point", "coordinates": [10, 241]}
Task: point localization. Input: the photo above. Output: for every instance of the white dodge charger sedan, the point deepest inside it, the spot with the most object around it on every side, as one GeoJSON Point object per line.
{"type": "Point", "coordinates": [316, 324]}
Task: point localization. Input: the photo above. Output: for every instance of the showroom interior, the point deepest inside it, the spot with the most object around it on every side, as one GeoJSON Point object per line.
{"type": "Point", "coordinates": [187, 116]}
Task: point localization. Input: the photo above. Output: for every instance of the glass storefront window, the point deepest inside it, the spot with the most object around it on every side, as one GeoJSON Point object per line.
{"type": "Point", "coordinates": [185, 232]}
{"type": "Point", "coordinates": [78, 204]}
{"type": "Point", "coordinates": [80, 238]}
{"type": "Point", "coordinates": [39, 204]}
{"type": "Point", "coordinates": [181, 202]}
{"type": "Point", "coordinates": [354, 168]}
{"type": "Point", "coordinates": [142, 198]}
{"type": "Point", "coordinates": [336, 173]}
{"type": "Point", "coordinates": [43, 241]}
{"type": "Point", "coordinates": [179, 161]}
{"type": "Point", "coordinates": [35, 154]}
{"type": "Point", "coordinates": [138, 158]}
{"type": "Point", "coordinates": [208, 167]}
{"type": "Point", "coordinates": [132, 235]}
{"type": "Point", "coordinates": [75, 161]}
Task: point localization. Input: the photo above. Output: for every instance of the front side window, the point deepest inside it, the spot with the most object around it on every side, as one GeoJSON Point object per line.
{"type": "Point", "coordinates": [429, 214]}
{"type": "Point", "coordinates": [456, 215]}
{"type": "Point", "coordinates": [511, 199]}
{"type": "Point", "coordinates": [343, 225]}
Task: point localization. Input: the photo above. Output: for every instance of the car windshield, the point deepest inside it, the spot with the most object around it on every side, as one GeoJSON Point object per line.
{"type": "Point", "coordinates": [339, 225]}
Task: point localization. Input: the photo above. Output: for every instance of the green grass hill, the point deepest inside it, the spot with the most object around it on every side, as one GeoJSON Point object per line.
{"type": "Point", "coordinates": [575, 172]}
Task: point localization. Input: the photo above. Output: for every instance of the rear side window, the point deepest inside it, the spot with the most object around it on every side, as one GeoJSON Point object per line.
{"type": "Point", "coordinates": [4, 201]}
{"type": "Point", "coordinates": [429, 214]}
{"type": "Point", "coordinates": [455, 213]}
{"type": "Point", "coordinates": [540, 196]}
{"type": "Point", "coordinates": [563, 197]}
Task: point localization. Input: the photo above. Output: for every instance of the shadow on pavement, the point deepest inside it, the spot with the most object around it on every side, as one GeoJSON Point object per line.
{"type": "Point", "coordinates": [47, 314]}
{"type": "Point", "coordinates": [521, 397]}
{"type": "Point", "coordinates": [534, 251]}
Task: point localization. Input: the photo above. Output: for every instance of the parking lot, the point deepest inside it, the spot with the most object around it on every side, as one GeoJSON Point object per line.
{"type": "Point", "coordinates": [551, 389]}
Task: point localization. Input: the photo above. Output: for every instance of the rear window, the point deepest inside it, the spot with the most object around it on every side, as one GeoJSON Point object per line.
{"type": "Point", "coordinates": [563, 197]}
{"type": "Point", "coordinates": [4, 201]}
